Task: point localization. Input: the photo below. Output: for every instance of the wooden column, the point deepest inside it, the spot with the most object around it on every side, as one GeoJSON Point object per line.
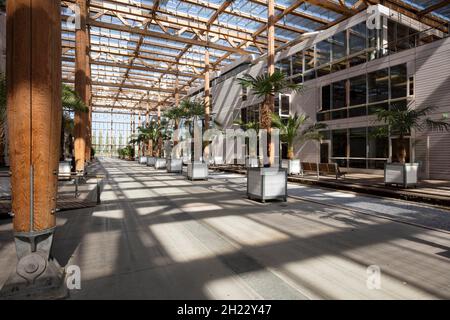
{"type": "Point", "coordinates": [34, 110]}
{"type": "Point", "coordinates": [207, 90]}
{"type": "Point", "coordinates": [81, 62]}
{"type": "Point", "coordinates": [88, 100]}
{"type": "Point", "coordinates": [269, 109]}
{"type": "Point", "coordinates": [140, 146]}
{"type": "Point", "coordinates": [271, 37]}
{"type": "Point", "coordinates": [177, 93]}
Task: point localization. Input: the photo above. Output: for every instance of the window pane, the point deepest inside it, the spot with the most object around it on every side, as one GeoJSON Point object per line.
{"type": "Point", "coordinates": [398, 81]}
{"type": "Point", "coordinates": [284, 66]}
{"type": "Point", "coordinates": [358, 142]}
{"type": "Point", "coordinates": [357, 38]}
{"type": "Point", "coordinates": [378, 146]}
{"type": "Point", "coordinates": [309, 59]}
{"type": "Point", "coordinates": [339, 45]}
{"type": "Point", "coordinates": [357, 112]}
{"type": "Point", "coordinates": [378, 85]}
{"type": "Point", "coordinates": [339, 114]}
{"type": "Point", "coordinates": [358, 92]}
{"type": "Point", "coordinates": [339, 94]}
{"type": "Point", "coordinates": [405, 37]}
{"type": "Point", "coordinates": [285, 105]}
{"type": "Point", "coordinates": [323, 71]}
{"type": "Point", "coordinates": [277, 104]}
{"type": "Point", "coordinates": [339, 138]}
{"type": "Point", "coordinates": [297, 63]}
{"type": "Point", "coordinates": [323, 51]}
{"type": "Point", "coordinates": [326, 98]}
{"type": "Point", "coordinates": [309, 75]}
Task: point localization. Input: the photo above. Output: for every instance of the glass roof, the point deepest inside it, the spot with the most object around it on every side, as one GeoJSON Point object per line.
{"type": "Point", "coordinates": [145, 52]}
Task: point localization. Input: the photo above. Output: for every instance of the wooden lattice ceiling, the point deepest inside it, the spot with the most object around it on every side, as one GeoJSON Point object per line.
{"type": "Point", "coordinates": [143, 52]}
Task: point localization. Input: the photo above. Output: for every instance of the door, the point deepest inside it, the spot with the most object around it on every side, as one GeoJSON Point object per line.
{"type": "Point", "coordinates": [324, 152]}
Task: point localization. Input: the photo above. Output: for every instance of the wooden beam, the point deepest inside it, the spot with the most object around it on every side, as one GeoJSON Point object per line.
{"type": "Point", "coordinates": [165, 36]}
{"type": "Point", "coordinates": [34, 112]}
{"type": "Point", "coordinates": [434, 7]}
{"type": "Point", "coordinates": [277, 18]}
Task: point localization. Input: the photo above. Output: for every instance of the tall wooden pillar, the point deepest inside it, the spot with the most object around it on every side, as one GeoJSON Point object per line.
{"type": "Point", "coordinates": [34, 115]}
{"type": "Point", "coordinates": [140, 146]}
{"type": "Point", "coordinates": [177, 93]}
{"type": "Point", "coordinates": [34, 110]}
{"type": "Point", "coordinates": [81, 80]}
{"type": "Point", "coordinates": [88, 150]}
{"type": "Point", "coordinates": [269, 109]}
{"type": "Point", "coordinates": [207, 90]}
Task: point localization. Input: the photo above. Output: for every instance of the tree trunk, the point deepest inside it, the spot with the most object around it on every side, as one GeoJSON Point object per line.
{"type": "Point", "coordinates": [402, 150]}
{"type": "Point", "coordinates": [266, 123]}
{"type": "Point", "coordinates": [290, 152]}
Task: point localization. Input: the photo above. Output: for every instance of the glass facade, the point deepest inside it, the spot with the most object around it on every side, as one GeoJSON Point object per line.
{"type": "Point", "coordinates": [358, 148]}
{"type": "Point", "coordinates": [112, 131]}
{"type": "Point", "coordinates": [363, 95]}
{"type": "Point", "coordinates": [353, 46]}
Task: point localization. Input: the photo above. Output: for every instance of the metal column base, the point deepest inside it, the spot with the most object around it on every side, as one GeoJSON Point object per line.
{"type": "Point", "coordinates": [37, 275]}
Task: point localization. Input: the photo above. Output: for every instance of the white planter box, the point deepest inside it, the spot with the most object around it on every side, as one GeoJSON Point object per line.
{"type": "Point", "coordinates": [267, 184]}
{"type": "Point", "coordinates": [186, 160]}
{"type": "Point", "coordinates": [160, 163]}
{"type": "Point", "coordinates": [218, 161]}
{"type": "Point", "coordinates": [251, 162]}
{"type": "Point", "coordinates": [174, 165]}
{"type": "Point", "coordinates": [151, 161]}
{"type": "Point", "coordinates": [294, 166]}
{"type": "Point", "coordinates": [64, 170]}
{"type": "Point", "coordinates": [401, 174]}
{"type": "Point", "coordinates": [197, 171]}
{"type": "Point", "coordinates": [142, 160]}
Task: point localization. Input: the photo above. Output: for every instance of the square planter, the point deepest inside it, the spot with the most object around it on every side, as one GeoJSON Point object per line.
{"type": "Point", "coordinates": [64, 170]}
{"type": "Point", "coordinates": [218, 161]}
{"type": "Point", "coordinates": [160, 163]}
{"type": "Point", "coordinates": [197, 170]}
{"type": "Point", "coordinates": [267, 184]}
{"type": "Point", "coordinates": [142, 160]}
{"type": "Point", "coordinates": [400, 174]}
{"type": "Point", "coordinates": [294, 166]}
{"type": "Point", "coordinates": [186, 160]}
{"type": "Point", "coordinates": [251, 162]}
{"type": "Point", "coordinates": [174, 165]}
{"type": "Point", "coordinates": [151, 161]}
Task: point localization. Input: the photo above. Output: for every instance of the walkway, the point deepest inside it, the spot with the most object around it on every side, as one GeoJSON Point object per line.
{"type": "Point", "coordinates": [160, 236]}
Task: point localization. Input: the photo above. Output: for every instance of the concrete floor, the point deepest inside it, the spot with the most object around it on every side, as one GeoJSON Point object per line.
{"type": "Point", "coordinates": [160, 236]}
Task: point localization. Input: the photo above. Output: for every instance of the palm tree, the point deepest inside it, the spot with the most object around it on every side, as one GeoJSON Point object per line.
{"type": "Point", "coordinates": [401, 121]}
{"type": "Point", "coordinates": [289, 130]}
{"type": "Point", "coordinates": [71, 102]}
{"type": "Point", "coordinates": [268, 86]}
{"type": "Point", "coordinates": [147, 135]}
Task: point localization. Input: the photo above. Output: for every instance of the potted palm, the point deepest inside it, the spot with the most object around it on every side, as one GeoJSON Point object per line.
{"type": "Point", "coordinates": [174, 163]}
{"type": "Point", "coordinates": [194, 112]}
{"type": "Point", "coordinates": [145, 136]}
{"type": "Point", "coordinates": [162, 132]}
{"type": "Point", "coordinates": [251, 157]}
{"type": "Point", "coordinates": [401, 121]}
{"type": "Point", "coordinates": [289, 132]}
{"type": "Point", "coordinates": [267, 182]}
{"type": "Point", "coordinates": [71, 102]}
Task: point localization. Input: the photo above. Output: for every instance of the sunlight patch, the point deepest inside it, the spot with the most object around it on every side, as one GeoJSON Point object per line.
{"type": "Point", "coordinates": [245, 231]}
{"type": "Point", "coordinates": [110, 214]}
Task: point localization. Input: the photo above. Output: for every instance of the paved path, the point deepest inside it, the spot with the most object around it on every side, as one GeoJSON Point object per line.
{"type": "Point", "coordinates": [160, 236]}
